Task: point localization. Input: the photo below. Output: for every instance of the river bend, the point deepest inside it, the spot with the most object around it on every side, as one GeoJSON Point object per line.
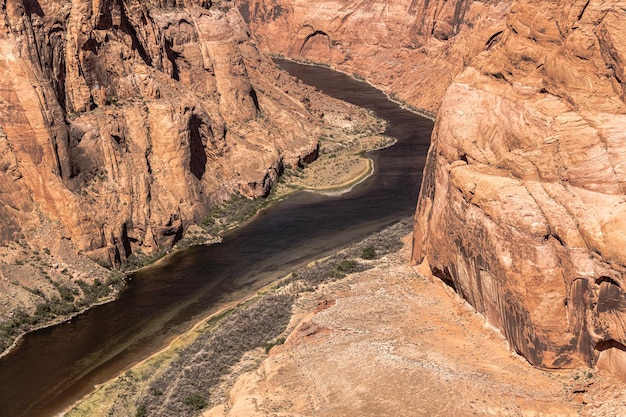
{"type": "Point", "coordinates": [54, 367]}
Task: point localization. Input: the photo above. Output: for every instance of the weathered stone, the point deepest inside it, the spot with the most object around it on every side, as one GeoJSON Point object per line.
{"type": "Point", "coordinates": [125, 122]}
{"type": "Point", "coordinates": [411, 49]}
{"type": "Point", "coordinates": [522, 204]}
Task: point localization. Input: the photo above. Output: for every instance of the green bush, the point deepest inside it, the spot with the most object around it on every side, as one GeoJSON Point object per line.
{"type": "Point", "coordinates": [347, 265]}
{"type": "Point", "coordinates": [142, 411]}
{"type": "Point", "coordinates": [195, 401]}
{"type": "Point", "coordinates": [368, 252]}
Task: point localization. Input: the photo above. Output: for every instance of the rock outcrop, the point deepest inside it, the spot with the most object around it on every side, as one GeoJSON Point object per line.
{"type": "Point", "coordinates": [411, 49]}
{"type": "Point", "coordinates": [521, 209]}
{"type": "Point", "coordinates": [523, 205]}
{"type": "Point", "coordinates": [122, 122]}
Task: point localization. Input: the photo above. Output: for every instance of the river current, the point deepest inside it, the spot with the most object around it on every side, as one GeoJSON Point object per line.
{"type": "Point", "coordinates": [54, 367]}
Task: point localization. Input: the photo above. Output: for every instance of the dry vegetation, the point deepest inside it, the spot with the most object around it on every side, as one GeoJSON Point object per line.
{"type": "Point", "coordinates": [47, 284]}
{"type": "Point", "coordinates": [198, 369]}
{"type": "Point", "coordinates": [342, 161]}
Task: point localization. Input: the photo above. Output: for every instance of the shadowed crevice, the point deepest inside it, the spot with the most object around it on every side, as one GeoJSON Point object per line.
{"type": "Point", "coordinates": [312, 35]}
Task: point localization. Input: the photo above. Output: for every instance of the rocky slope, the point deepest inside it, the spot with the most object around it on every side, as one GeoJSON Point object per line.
{"type": "Point", "coordinates": [412, 49]}
{"type": "Point", "coordinates": [522, 205]}
{"type": "Point", "coordinates": [388, 342]}
{"type": "Point", "coordinates": [122, 123]}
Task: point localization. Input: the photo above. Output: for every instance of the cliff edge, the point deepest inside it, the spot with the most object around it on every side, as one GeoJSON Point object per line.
{"type": "Point", "coordinates": [522, 205]}
{"type": "Point", "coordinates": [122, 124]}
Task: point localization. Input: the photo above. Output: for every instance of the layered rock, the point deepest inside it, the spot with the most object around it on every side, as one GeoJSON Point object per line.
{"type": "Point", "coordinates": [412, 49]}
{"type": "Point", "coordinates": [122, 122]}
{"type": "Point", "coordinates": [522, 208]}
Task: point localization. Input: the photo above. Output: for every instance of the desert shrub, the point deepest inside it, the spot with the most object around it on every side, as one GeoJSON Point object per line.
{"type": "Point", "coordinates": [199, 366]}
{"type": "Point", "coordinates": [142, 411]}
{"type": "Point", "coordinates": [195, 401]}
{"type": "Point", "coordinates": [347, 265]}
{"type": "Point", "coordinates": [93, 292]}
{"type": "Point", "coordinates": [66, 294]}
{"type": "Point", "coordinates": [270, 345]}
{"type": "Point", "coordinates": [233, 211]}
{"type": "Point", "coordinates": [368, 252]}
{"type": "Point", "coordinates": [38, 292]}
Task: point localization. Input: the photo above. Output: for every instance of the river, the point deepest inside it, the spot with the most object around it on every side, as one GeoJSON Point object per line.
{"type": "Point", "coordinates": [54, 367]}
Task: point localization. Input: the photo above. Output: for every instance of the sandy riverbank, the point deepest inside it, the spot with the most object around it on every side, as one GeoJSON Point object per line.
{"type": "Point", "coordinates": [384, 340]}
{"type": "Point", "coordinates": [390, 342]}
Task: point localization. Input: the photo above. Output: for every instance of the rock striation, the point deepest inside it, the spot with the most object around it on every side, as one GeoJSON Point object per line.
{"type": "Point", "coordinates": [522, 207]}
{"type": "Point", "coordinates": [411, 49]}
{"type": "Point", "coordinates": [123, 122]}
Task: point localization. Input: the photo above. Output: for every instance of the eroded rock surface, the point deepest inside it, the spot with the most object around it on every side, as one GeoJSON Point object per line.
{"type": "Point", "coordinates": [388, 342]}
{"type": "Point", "coordinates": [412, 49]}
{"type": "Point", "coordinates": [124, 121]}
{"type": "Point", "coordinates": [121, 124]}
{"type": "Point", "coordinates": [522, 208]}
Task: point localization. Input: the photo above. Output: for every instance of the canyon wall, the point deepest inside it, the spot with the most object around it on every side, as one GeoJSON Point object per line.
{"type": "Point", "coordinates": [411, 49]}
{"type": "Point", "coordinates": [523, 206]}
{"type": "Point", "coordinates": [123, 122]}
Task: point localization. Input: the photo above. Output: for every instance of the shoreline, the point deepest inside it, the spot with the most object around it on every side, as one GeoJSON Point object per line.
{"type": "Point", "coordinates": [55, 322]}
{"type": "Point", "coordinates": [169, 345]}
{"type": "Point", "coordinates": [188, 336]}
{"type": "Point", "coordinates": [334, 190]}
{"type": "Point", "coordinates": [406, 106]}
{"type": "Point", "coordinates": [231, 306]}
{"type": "Point", "coordinates": [339, 190]}
{"type": "Point", "coordinates": [347, 186]}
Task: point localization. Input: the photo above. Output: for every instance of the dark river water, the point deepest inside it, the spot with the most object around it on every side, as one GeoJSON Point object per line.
{"type": "Point", "coordinates": [56, 366]}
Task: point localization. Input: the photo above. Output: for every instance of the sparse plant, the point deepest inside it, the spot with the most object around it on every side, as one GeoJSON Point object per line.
{"type": "Point", "coordinates": [270, 345]}
{"type": "Point", "coordinates": [195, 401]}
{"type": "Point", "coordinates": [142, 411]}
{"type": "Point", "coordinates": [368, 252]}
{"type": "Point", "coordinates": [347, 265]}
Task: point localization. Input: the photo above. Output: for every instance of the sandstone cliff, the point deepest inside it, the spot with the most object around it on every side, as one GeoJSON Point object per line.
{"type": "Point", "coordinates": [522, 208]}
{"type": "Point", "coordinates": [122, 123]}
{"type": "Point", "coordinates": [411, 49]}
{"type": "Point", "coordinates": [522, 203]}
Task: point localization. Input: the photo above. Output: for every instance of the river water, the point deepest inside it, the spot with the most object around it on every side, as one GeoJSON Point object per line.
{"type": "Point", "coordinates": [54, 367]}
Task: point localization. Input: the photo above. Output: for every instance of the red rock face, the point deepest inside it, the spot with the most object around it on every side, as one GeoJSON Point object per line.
{"type": "Point", "coordinates": [124, 121]}
{"type": "Point", "coordinates": [522, 204]}
{"type": "Point", "coordinates": [522, 207]}
{"type": "Point", "coordinates": [409, 48]}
